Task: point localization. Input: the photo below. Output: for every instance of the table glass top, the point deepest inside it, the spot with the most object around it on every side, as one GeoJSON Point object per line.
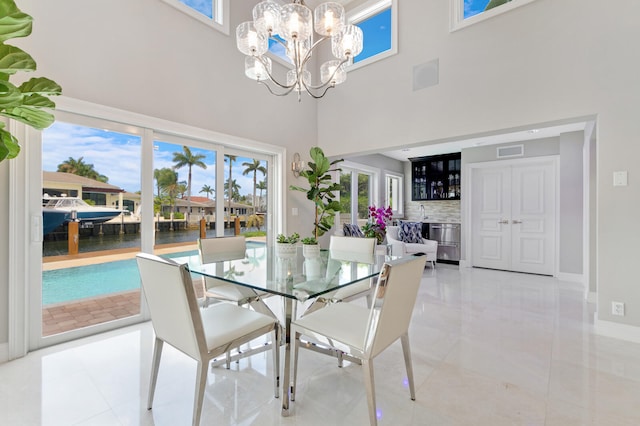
{"type": "Point", "coordinates": [294, 277]}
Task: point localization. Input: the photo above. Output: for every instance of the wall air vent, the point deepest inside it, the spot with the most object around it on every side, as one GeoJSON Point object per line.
{"type": "Point", "coordinates": [510, 151]}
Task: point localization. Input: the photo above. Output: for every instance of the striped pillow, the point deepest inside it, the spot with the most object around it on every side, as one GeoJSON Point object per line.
{"type": "Point", "coordinates": [352, 230]}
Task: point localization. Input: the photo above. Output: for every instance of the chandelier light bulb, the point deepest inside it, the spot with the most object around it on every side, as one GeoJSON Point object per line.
{"type": "Point", "coordinates": [249, 41]}
{"type": "Point", "coordinates": [329, 19]}
{"type": "Point", "coordinates": [255, 69]}
{"type": "Point", "coordinates": [266, 17]}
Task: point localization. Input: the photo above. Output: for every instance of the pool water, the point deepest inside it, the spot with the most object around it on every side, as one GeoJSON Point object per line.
{"type": "Point", "coordinates": [81, 282]}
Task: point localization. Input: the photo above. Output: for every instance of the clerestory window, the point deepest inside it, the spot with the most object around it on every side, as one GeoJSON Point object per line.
{"type": "Point", "coordinates": [214, 13]}
{"type": "Point", "coordinates": [469, 12]}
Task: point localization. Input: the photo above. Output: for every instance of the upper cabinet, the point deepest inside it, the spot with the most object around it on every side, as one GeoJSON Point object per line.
{"type": "Point", "coordinates": [436, 177]}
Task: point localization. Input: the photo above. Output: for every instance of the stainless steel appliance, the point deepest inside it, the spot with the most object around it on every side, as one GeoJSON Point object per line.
{"type": "Point", "coordinates": [448, 237]}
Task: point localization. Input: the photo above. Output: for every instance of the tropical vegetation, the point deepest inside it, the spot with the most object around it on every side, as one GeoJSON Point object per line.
{"type": "Point", "coordinates": [28, 103]}
{"type": "Point", "coordinates": [188, 159]}
{"type": "Point", "coordinates": [321, 191]}
{"type": "Point", "coordinates": [80, 168]}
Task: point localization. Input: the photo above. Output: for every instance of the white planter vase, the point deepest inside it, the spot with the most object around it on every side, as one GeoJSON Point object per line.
{"type": "Point", "coordinates": [286, 250]}
{"type": "Point", "coordinates": [310, 250]}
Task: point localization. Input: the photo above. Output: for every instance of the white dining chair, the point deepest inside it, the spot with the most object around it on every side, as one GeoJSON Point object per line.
{"type": "Point", "coordinates": [353, 249]}
{"type": "Point", "coordinates": [365, 332]}
{"type": "Point", "coordinates": [220, 249]}
{"type": "Point", "coordinates": [200, 334]}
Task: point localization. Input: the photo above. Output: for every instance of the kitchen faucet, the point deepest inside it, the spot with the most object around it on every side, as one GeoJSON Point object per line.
{"type": "Point", "coordinates": [422, 212]}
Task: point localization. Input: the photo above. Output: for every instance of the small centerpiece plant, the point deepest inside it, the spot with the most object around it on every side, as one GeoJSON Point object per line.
{"type": "Point", "coordinates": [310, 247]}
{"type": "Point", "coordinates": [376, 227]}
{"type": "Point", "coordinates": [286, 245]}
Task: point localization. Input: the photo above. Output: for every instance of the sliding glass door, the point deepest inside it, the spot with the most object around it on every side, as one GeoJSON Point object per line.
{"type": "Point", "coordinates": [111, 190]}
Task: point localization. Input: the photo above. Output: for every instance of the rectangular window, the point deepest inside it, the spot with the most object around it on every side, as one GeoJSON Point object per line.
{"type": "Point", "coordinates": [214, 13]}
{"type": "Point", "coordinates": [378, 22]}
{"type": "Point", "coordinates": [469, 12]}
{"type": "Point", "coordinates": [394, 189]}
{"type": "Point", "coordinates": [357, 192]}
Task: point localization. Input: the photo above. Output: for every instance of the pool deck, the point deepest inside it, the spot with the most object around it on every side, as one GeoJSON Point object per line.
{"type": "Point", "coordinates": [69, 316]}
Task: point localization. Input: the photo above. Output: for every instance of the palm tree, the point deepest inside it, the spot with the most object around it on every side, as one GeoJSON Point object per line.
{"type": "Point", "coordinates": [167, 183]}
{"type": "Point", "coordinates": [80, 168]}
{"type": "Point", "coordinates": [207, 190]}
{"type": "Point", "coordinates": [186, 158]}
{"type": "Point", "coordinates": [254, 168]}
{"type": "Point", "coordinates": [262, 185]}
{"type": "Point", "coordinates": [231, 159]}
{"type": "Point", "coordinates": [495, 3]}
{"type": "Point", "coordinates": [234, 194]}
{"type": "Point", "coordinates": [164, 176]}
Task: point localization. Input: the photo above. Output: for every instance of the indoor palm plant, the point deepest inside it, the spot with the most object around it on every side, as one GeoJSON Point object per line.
{"type": "Point", "coordinates": [29, 102]}
{"type": "Point", "coordinates": [322, 190]}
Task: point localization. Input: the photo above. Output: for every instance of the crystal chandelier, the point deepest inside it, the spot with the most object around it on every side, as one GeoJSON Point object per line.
{"type": "Point", "coordinates": [294, 24]}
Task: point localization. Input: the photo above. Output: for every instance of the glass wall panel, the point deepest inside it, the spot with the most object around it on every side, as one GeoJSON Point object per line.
{"type": "Point", "coordinates": [90, 194]}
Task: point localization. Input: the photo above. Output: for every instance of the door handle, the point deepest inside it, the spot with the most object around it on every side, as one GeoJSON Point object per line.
{"type": "Point", "coordinates": [503, 222]}
{"type": "Point", "coordinates": [516, 222]}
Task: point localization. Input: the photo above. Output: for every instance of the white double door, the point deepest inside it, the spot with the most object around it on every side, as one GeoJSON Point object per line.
{"type": "Point", "coordinates": [513, 216]}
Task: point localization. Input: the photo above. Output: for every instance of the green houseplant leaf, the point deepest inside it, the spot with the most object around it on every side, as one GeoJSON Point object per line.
{"type": "Point", "coordinates": [9, 147]}
{"type": "Point", "coordinates": [321, 190]}
{"type": "Point", "coordinates": [28, 103]}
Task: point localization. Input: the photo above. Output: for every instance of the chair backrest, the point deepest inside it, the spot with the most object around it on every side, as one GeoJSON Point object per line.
{"type": "Point", "coordinates": [221, 249]}
{"type": "Point", "coordinates": [351, 248]}
{"type": "Point", "coordinates": [395, 294]}
{"type": "Point", "coordinates": [392, 232]}
{"type": "Point", "coordinates": [172, 302]}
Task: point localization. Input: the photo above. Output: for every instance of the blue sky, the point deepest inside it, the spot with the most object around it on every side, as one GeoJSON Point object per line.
{"type": "Point", "coordinates": [473, 7]}
{"type": "Point", "coordinates": [117, 156]}
{"type": "Point", "coordinates": [203, 6]}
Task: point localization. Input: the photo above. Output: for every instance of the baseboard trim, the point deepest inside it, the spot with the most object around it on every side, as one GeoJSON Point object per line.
{"type": "Point", "coordinates": [567, 276]}
{"type": "Point", "coordinates": [4, 352]}
{"type": "Point", "coordinates": [617, 330]}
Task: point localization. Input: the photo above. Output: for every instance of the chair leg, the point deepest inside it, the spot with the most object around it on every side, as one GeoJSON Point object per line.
{"type": "Point", "coordinates": [155, 366]}
{"type": "Point", "coordinates": [406, 349]}
{"type": "Point", "coordinates": [275, 342]}
{"type": "Point", "coordinates": [201, 381]}
{"type": "Point", "coordinates": [294, 362]}
{"type": "Point", "coordinates": [367, 369]}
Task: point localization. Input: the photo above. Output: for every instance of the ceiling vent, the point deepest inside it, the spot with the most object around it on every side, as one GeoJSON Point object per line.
{"type": "Point", "coordinates": [510, 151]}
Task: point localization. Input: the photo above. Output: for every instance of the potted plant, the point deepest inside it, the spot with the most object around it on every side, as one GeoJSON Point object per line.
{"type": "Point", "coordinates": [29, 102]}
{"type": "Point", "coordinates": [310, 247]}
{"type": "Point", "coordinates": [322, 190]}
{"type": "Point", "coordinates": [376, 227]}
{"type": "Point", "coordinates": [286, 245]}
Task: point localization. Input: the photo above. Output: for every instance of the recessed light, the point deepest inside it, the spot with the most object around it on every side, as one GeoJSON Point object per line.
{"type": "Point", "coordinates": [533, 131]}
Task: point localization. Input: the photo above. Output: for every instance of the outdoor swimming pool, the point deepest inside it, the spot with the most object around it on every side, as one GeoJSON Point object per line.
{"type": "Point", "coordinates": [81, 282]}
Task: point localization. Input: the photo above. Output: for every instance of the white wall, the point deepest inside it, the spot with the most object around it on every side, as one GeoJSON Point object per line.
{"type": "Point", "coordinates": [571, 203]}
{"type": "Point", "coordinates": [549, 60]}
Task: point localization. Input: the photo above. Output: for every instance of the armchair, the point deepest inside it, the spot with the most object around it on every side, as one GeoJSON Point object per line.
{"type": "Point", "coordinates": [400, 248]}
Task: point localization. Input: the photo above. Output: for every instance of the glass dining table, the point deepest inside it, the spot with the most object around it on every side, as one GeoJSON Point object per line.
{"type": "Point", "coordinates": [293, 278]}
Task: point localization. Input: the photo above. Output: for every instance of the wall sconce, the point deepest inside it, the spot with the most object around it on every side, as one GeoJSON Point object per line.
{"type": "Point", "coordinates": [297, 165]}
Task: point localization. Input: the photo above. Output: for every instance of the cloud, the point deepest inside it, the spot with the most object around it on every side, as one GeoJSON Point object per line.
{"type": "Point", "coordinates": [118, 156]}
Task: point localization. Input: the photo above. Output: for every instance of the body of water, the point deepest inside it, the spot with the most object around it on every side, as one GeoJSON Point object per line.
{"type": "Point", "coordinates": [90, 243]}
{"type": "Point", "coordinates": [81, 282]}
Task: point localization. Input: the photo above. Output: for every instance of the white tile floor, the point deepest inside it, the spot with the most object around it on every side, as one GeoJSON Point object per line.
{"type": "Point", "coordinates": [489, 348]}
